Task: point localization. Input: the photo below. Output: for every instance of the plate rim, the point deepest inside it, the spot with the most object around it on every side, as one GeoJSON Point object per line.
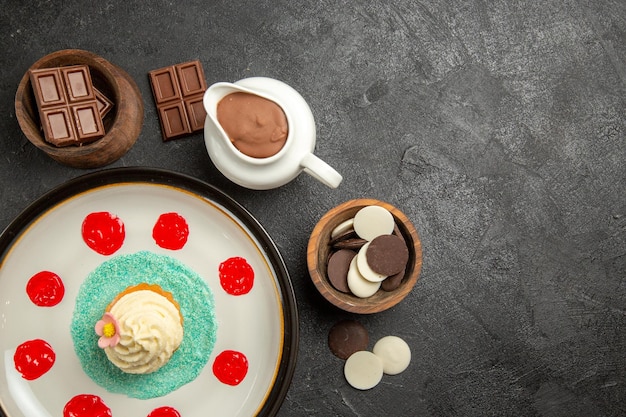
{"type": "Point", "coordinates": [158, 176]}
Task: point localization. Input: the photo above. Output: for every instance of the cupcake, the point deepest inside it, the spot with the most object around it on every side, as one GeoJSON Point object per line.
{"type": "Point", "coordinates": [141, 329]}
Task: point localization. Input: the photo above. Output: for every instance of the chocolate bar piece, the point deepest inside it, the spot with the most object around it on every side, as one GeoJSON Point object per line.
{"type": "Point", "coordinates": [104, 103]}
{"type": "Point", "coordinates": [67, 105]}
{"type": "Point", "coordinates": [178, 91]}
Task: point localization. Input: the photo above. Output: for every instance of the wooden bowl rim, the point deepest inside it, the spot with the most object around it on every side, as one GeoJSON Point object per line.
{"type": "Point", "coordinates": [382, 300]}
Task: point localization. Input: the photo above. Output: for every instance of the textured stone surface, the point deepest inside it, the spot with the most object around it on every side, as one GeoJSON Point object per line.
{"type": "Point", "coordinates": [498, 127]}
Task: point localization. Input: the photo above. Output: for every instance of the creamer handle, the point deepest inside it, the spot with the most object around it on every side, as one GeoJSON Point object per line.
{"type": "Point", "coordinates": [321, 171]}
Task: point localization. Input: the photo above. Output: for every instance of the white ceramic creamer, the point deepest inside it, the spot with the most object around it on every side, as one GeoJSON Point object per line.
{"type": "Point", "coordinates": [276, 170]}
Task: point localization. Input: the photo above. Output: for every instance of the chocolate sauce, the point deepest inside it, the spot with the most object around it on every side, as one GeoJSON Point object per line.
{"type": "Point", "coordinates": [255, 125]}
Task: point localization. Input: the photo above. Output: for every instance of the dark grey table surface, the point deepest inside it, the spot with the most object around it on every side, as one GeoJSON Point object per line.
{"type": "Point", "coordinates": [498, 127]}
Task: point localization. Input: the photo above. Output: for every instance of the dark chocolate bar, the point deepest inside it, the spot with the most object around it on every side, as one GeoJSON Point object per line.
{"type": "Point", "coordinates": [178, 91]}
{"type": "Point", "coordinates": [104, 103]}
{"type": "Point", "coordinates": [67, 105]}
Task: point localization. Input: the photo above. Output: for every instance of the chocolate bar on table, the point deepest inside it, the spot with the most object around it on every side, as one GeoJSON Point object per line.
{"type": "Point", "coordinates": [67, 105]}
{"type": "Point", "coordinates": [178, 91]}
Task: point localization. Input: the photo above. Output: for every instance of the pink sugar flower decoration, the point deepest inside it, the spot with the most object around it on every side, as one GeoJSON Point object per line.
{"type": "Point", "coordinates": [108, 330]}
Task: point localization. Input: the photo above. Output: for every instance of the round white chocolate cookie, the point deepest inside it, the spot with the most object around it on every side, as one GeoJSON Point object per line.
{"type": "Point", "coordinates": [358, 285]}
{"type": "Point", "coordinates": [394, 353]}
{"type": "Point", "coordinates": [363, 370]}
{"type": "Point", "coordinates": [373, 221]}
{"type": "Point", "coordinates": [342, 227]}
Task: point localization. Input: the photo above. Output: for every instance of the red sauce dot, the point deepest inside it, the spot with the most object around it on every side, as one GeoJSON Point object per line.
{"type": "Point", "coordinates": [164, 412]}
{"type": "Point", "coordinates": [103, 232]}
{"type": "Point", "coordinates": [33, 358]}
{"type": "Point", "coordinates": [86, 405]}
{"type": "Point", "coordinates": [230, 367]}
{"type": "Point", "coordinates": [171, 231]}
{"type": "Point", "coordinates": [236, 276]}
{"type": "Point", "coordinates": [45, 289]}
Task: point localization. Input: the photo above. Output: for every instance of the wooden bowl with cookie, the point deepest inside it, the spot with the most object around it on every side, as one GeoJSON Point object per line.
{"type": "Point", "coordinates": [364, 256]}
{"type": "Point", "coordinates": [119, 105]}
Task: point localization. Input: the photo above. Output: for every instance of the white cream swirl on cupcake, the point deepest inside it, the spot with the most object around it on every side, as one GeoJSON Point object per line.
{"type": "Point", "coordinates": [141, 329]}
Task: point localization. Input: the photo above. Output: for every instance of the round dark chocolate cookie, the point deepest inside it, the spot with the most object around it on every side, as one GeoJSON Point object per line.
{"type": "Point", "coordinates": [348, 234]}
{"type": "Point", "coordinates": [347, 337]}
{"type": "Point", "coordinates": [337, 269]}
{"type": "Point", "coordinates": [392, 282]}
{"type": "Point", "coordinates": [397, 232]}
{"type": "Point", "coordinates": [353, 244]}
{"type": "Point", "coordinates": [387, 254]}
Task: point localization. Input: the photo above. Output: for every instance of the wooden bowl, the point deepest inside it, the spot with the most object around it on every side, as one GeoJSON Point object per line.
{"type": "Point", "coordinates": [319, 249]}
{"type": "Point", "coordinates": [122, 124]}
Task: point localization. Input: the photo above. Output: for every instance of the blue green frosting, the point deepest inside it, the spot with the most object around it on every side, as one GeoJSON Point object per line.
{"type": "Point", "coordinates": [196, 306]}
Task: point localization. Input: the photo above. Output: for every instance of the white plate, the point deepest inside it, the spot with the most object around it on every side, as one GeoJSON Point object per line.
{"type": "Point", "coordinates": [46, 236]}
